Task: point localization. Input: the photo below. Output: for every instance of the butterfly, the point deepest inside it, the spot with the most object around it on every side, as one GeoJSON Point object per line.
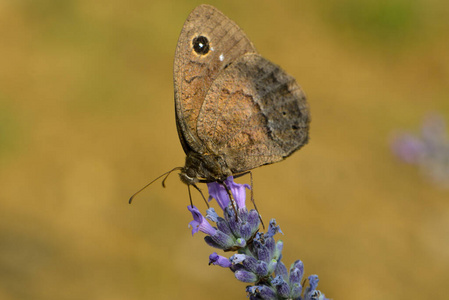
{"type": "Point", "coordinates": [235, 110]}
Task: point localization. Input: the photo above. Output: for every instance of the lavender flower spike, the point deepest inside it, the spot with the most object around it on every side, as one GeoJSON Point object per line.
{"type": "Point", "coordinates": [257, 260]}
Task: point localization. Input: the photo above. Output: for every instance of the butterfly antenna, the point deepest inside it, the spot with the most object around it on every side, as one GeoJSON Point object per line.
{"type": "Point", "coordinates": [165, 174]}
{"type": "Point", "coordinates": [168, 173]}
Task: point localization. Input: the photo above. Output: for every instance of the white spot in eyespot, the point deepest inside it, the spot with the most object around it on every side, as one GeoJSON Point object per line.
{"type": "Point", "coordinates": [221, 57]}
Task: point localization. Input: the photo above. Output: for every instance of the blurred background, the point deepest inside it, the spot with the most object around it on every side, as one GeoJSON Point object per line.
{"type": "Point", "coordinates": [87, 118]}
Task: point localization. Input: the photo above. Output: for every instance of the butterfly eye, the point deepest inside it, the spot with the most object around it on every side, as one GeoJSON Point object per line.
{"type": "Point", "coordinates": [201, 45]}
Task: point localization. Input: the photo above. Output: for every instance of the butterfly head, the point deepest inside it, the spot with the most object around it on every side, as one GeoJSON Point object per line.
{"type": "Point", "coordinates": [204, 168]}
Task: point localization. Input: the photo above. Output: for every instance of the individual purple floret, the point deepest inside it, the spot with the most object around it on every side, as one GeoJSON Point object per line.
{"type": "Point", "coordinates": [199, 223]}
{"type": "Point", "coordinates": [311, 293]}
{"type": "Point", "coordinates": [429, 150]}
{"type": "Point", "coordinates": [218, 192]}
{"type": "Point", "coordinates": [219, 260]}
{"type": "Point", "coordinates": [408, 148]}
{"type": "Point", "coordinates": [258, 257]}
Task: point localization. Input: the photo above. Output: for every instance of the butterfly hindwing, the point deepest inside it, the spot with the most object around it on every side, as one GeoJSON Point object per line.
{"type": "Point", "coordinates": [253, 114]}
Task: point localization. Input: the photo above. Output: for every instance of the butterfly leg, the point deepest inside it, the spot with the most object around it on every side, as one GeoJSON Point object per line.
{"type": "Point", "coordinates": [231, 199]}
{"type": "Point", "coordinates": [202, 195]}
{"type": "Point", "coordinates": [252, 193]}
{"type": "Point", "coordinates": [190, 196]}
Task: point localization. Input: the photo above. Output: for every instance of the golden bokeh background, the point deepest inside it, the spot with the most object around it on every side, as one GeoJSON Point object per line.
{"type": "Point", "coordinates": [87, 118]}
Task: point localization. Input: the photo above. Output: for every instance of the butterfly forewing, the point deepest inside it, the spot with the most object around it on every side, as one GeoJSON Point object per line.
{"type": "Point", "coordinates": [209, 42]}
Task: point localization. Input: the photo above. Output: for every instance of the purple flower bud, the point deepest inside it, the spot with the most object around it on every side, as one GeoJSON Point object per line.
{"type": "Point", "coordinates": [261, 269]}
{"type": "Point", "coordinates": [278, 249]}
{"type": "Point", "coordinates": [263, 254]}
{"type": "Point", "coordinates": [223, 240]}
{"type": "Point", "coordinates": [199, 223]}
{"type": "Point", "coordinates": [234, 224]}
{"type": "Point", "coordinates": [267, 293]}
{"type": "Point", "coordinates": [243, 214]}
{"type": "Point", "coordinates": [246, 231]}
{"type": "Point", "coordinates": [270, 244]}
{"type": "Point", "coordinates": [272, 266]}
{"type": "Point", "coordinates": [255, 266]}
{"type": "Point", "coordinates": [261, 292]}
{"type": "Point", "coordinates": [281, 270]}
{"type": "Point", "coordinates": [245, 276]}
{"type": "Point", "coordinates": [295, 276]}
{"type": "Point", "coordinates": [253, 219]}
{"type": "Point", "coordinates": [248, 262]}
{"type": "Point", "coordinates": [236, 267]}
{"type": "Point", "coordinates": [295, 290]}
{"type": "Point", "coordinates": [219, 260]}
{"type": "Point", "coordinates": [223, 226]}
{"type": "Point", "coordinates": [297, 269]}
{"type": "Point", "coordinates": [282, 287]}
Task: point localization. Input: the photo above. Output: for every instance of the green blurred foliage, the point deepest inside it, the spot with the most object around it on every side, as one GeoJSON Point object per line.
{"type": "Point", "coordinates": [9, 130]}
{"type": "Point", "coordinates": [380, 21]}
{"type": "Point", "coordinates": [87, 118]}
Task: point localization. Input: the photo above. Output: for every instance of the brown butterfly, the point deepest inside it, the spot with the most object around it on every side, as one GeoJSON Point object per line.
{"type": "Point", "coordinates": [235, 110]}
